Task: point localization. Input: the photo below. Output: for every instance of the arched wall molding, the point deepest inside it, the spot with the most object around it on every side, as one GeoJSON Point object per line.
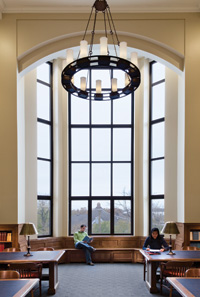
{"type": "Point", "coordinates": [153, 47]}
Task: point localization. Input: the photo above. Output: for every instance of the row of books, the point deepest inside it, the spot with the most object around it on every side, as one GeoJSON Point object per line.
{"type": "Point", "coordinates": [194, 235]}
{"type": "Point", "coordinates": [197, 244]}
{"type": "Point", "coordinates": [4, 236]}
{"type": "Point", "coordinates": [1, 247]}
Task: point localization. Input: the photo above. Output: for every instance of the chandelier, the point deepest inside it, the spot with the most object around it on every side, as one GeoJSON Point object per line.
{"type": "Point", "coordinates": [87, 61]}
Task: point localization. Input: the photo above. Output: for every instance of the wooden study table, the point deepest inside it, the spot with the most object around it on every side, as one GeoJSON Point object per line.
{"type": "Point", "coordinates": [17, 287]}
{"type": "Point", "coordinates": [49, 257]}
{"type": "Point", "coordinates": [186, 286]}
{"type": "Point", "coordinates": [151, 264]}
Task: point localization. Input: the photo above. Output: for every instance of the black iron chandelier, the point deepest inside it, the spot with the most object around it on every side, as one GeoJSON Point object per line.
{"type": "Point", "coordinates": [86, 61]}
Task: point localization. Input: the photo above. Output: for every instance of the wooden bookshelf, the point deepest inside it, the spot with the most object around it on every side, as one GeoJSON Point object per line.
{"type": "Point", "coordinates": [185, 238]}
{"type": "Point", "coordinates": [9, 236]}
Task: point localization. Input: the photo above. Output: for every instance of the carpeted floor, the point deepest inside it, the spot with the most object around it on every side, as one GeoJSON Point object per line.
{"type": "Point", "coordinates": [101, 280]}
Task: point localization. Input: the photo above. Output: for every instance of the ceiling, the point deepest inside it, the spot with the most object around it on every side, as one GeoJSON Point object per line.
{"type": "Point", "coordinates": [63, 6]}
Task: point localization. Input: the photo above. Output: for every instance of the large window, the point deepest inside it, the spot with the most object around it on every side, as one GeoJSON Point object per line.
{"type": "Point", "coordinates": [44, 150]}
{"type": "Point", "coordinates": [157, 145]}
{"type": "Point", "coordinates": [101, 160]}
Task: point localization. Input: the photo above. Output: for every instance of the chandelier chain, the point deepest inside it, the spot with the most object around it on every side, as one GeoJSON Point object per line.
{"type": "Point", "coordinates": [113, 25]}
{"type": "Point", "coordinates": [93, 32]}
{"type": "Point", "coordinates": [111, 32]}
{"type": "Point", "coordinates": [88, 23]}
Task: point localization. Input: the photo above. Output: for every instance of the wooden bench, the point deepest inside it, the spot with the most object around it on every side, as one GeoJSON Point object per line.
{"type": "Point", "coordinates": [109, 249]}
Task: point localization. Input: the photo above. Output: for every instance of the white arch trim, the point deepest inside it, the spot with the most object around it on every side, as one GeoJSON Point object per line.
{"type": "Point", "coordinates": [144, 45]}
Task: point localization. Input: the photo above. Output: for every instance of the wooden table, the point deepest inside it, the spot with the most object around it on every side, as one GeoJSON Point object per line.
{"type": "Point", "coordinates": [49, 257]}
{"type": "Point", "coordinates": [17, 287]}
{"type": "Point", "coordinates": [186, 286]}
{"type": "Point", "coordinates": [151, 264]}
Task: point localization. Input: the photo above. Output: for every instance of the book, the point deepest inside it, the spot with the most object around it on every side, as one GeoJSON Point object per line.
{"type": "Point", "coordinates": [87, 239]}
{"type": "Point", "coordinates": [154, 251]}
{"type": "Point", "coordinates": [1, 247]}
{"type": "Point", "coordinates": [8, 236]}
{"type": "Point", "coordinates": [195, 235]}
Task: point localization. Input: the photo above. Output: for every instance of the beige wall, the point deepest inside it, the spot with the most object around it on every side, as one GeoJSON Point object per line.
{"type": "Point", "coordinates": [8, 125]}
{"type": "Point", "coordinates": [33, 36]}
{"type": "Point", "coordinates": [192, 120]}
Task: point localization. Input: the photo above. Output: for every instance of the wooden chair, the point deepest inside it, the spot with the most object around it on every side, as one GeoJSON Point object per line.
{"type": "Point", "coordinates": [45, 265]}
{"type": "Point", "coordinates": [193, 272]}
{"type": "Point", "coordinates": [45, 249]}
{"type": "Point", "coordinates": [9, 274]}
{"type": "Point", "coordinates": [190, 248]}
{"type": "Point", "coordinates": [12, 250]}
{"type": "Point", "coordinates": [172, 269]}
{"type": "Point", "coordinates": [29, 270]}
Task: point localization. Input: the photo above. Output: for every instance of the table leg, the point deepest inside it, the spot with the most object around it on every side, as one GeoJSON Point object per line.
{"type": "Point", "coordinates": [53, 278]}
{"type": "Point", "coordinates": [151, 276]}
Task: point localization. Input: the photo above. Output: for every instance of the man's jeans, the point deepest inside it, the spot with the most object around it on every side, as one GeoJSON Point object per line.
{"type": "Point", "coordinates": [87, 249]}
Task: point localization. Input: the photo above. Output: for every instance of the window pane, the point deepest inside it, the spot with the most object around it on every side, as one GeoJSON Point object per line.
{"type": "Point", "coordinates": [79, 214]}
{"type": "Point", "coordinates": [120, 76]}
{"type": "Point", "coordinates": [101, 112]}
{"type": "Point", "coordinates": [121, 144]}
{"type": "Point", "coordinates": [100, 179]}
{"type": "Point", "coordinates": [43, 217]}
{"type": "Point", "coordinates": [101, 142]}
{"type": "Point", "coordinates": [43, 178]}
{"type": "Point", "coordinates": [43, 72]}
{"type": "Point", "coordinates": [104, 76]}
{"type": "Point", "coordinates": [122, 110]}
{"type": "Point", "coordinates": [158, 137]}
{"type": "Point", "coordinates": [43, 141]}
{"type": "Point", "coordinates": [79, 110]}
{"type": "Point", "coordinates": [157, 177]}
{"type": "Point", "coordinates": [43, 102]}
{"type": "Point", "coordinates": [101, 217]}
{"type": "Point", "coordinates": [158, 101]}
{"type": "Point", "coordinates": [80, 144]}
{"type": "Point", "coordinates": [122, 216]}
{"type": "Point", "coordinates": [80, 179]}
{"type": "Point", "coordinates": [158, 72]}
{"type": "Point", "coordinates": [157, 213]}
{"type": "Point", "coordinates": [121, 179]}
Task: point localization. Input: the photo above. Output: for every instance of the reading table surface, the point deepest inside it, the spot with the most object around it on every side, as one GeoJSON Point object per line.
{"type": "Point", "coordinates": [186, 286]}
{"type": "Point", "coordinates": [151, 263]}
{"type": "Point", "coordinates": [49, 257]}
{"type": "Point", "coordinates": [16, 287]}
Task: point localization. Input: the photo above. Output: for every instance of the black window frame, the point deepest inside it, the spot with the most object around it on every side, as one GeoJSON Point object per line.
{"type": "Point", "coordinates": [151, 123]}
{"type": "Point", "coordinates": [50, 160]}
{"type": "Point", "coordinates": [110, 198]}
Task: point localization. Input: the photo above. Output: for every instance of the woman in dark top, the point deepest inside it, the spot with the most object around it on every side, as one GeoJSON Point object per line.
{"type": "Point", "coordinates": [155, 241]}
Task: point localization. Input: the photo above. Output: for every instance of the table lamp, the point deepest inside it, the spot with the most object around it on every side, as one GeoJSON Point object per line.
{"type": "Point", "coordinates": [28, 229]}
{"type": "Point", "coordinates": [170, 228]}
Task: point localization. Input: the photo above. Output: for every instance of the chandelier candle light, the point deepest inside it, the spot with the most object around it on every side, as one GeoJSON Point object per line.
{"type": "Point", "coordinates": [87, 61]}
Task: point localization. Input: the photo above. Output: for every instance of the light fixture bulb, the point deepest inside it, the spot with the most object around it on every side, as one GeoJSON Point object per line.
{"type": "Point", "coordinates": [114, 84]}
{"type": "Point", "coordinates": [69, 56]}
{"type": "Point", "coordinates": [83, 48]}
{"type": "Point", "coordinates": [98, 86]}
{"type": "Point", "coordinates": [123, 50]}
{"type": "Point", "coordinates": [103, 46]}
{"type": "Point", "coordinates": [83, 83]}
{"type": "Point", "coordinates": [126, 79]}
